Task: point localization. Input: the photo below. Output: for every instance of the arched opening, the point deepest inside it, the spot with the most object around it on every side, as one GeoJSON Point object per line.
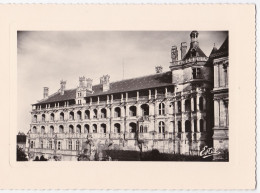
{"type": "Point", "coordinates": [32, 144]}
{"type": "Point", "coordinates": [201, 103]}
{"type": "Point", "coordinates": [161, 109]}
{"type": "Point", "coordinates": [95, 113]}
{"type": "Point", "coordinates": [35, 118]}
{"type": "Point", "coordinates": [94, 127]}
{"type": "Point", "coordinates": [71, 115]}
{"type": "Point", "coordinates": [86, 128]}
{"type": "Point", "coordinates": [87, 114]}
{"type": "Point", "coordinates": [52, 116]}
{"type": "Point", "coordinates": [179, 106]}
{"type": "Point", "coordinates": [61, 129]}
{"type": "Point", "coordinates": [132, 127]}
{"type": "Point", "coordinates": [179, 127]}
{"type": "Point", "coordinates": [103, 128]}
{"type": "Point", "coordinates": [145, 109]}
{"type": "Point", "coordinates": [132, 111]}
{"type": "Point", "coordinates": [51, 129]}
{"type": "Point", "coordinates": [187, 126]}
{"type": "Point", "coordinates": [43, 117]}
{"type": "Point", "coordinates": [103, 113]}
{"type": "Point", "coordinates": [145, 129]}
{"type": "Point", "coordinates": [201, 125]}
{"type": "Point", "coordinates": [34, 129]}
{"type": "Point", "coordinates": [141, 129]}
{"type": "Point", "coordinates": [79, 115]}
{"type": "Point", "coordinates": [117, 112]}
{"type": "Point", "coordinates": [78, 128]}
{"type": "Point", "coordinates": [117, 128]}
{"type": "Point", "coordinates": [187, 105]}
{"type": "Point", "coordinates": [42, 129]}
{"type": "Point", "coordinates": [62, 116]}
{"type": "Point", "coordinates": [161, 127]}
{"type": "Point", "coordinates": [71, 129]}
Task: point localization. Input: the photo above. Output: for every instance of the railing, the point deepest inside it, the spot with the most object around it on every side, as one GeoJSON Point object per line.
{"type": "Point", "coordinates": [193, 59]}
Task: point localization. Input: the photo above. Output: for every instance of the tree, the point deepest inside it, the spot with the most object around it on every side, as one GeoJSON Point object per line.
{"type": "Point", "coordinates": [20, 154]}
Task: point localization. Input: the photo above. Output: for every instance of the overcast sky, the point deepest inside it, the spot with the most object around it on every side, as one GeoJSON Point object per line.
{"type": "Point", "coordinates": [44, 58]}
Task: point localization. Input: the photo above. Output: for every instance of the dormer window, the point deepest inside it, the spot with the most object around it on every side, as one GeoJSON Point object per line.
{"type": "Point", "coordinates": [193, 53]}
{"type": "Point", "coordinates": [196, 73]}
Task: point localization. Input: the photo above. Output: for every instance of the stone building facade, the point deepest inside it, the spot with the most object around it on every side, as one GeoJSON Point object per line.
{"type": "Point", "coordinates": [170, 111]}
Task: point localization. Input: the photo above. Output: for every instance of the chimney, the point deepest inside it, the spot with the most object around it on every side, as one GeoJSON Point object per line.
{"type": "Point", "coordinates": [45, 92]}
{"type": "Point", "coordinates": [62, 87]}
{"type": "Point", "coordinates": [158, 69]}
{"type": "Point", "coordinates": [89, 84]}
{"type": "Point", "coordinates": [194, 39]}
{"type": "Point", "coordinates": [174, 53]}
{"type": "Point", "coordinates": [104, 80]}
{"type": "Point", "coordinates": [82, 81]}
{"type": "Point", "coordinates": [183, 49]}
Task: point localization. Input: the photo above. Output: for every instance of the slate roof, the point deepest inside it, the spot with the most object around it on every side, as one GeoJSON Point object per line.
{"type": "Point", "coordinates": [222, 51]}
{"type": "Point", "coordinates": [145, 82]}
{"type": "Point", "coordinates": [199, 52]}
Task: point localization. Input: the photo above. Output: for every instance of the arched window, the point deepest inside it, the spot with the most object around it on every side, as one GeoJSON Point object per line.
{"type": "Point", "coordinates": [78, 128]}
{"type": "Point", "coordinates": [34, 129]}
{"type": "Point", "coordinates": [35, 118]}
{"type": "Point", "coordinates": [179, 127]}
{"type": "Point", "coordinates": [77, 145]}
{"type": "Point", "coordinates": [117, 128]}
{"type": "Point", "coordinates": [201, 103]}
{"type": "Point", "coordinates": [145, 109]}
{"type": "Point", "coordinates": [62, 116]}
{"type": "Point", "coordinates": [201, 125]}
{"type": "Point", "coordinates": [95, 114]}
{"type": "Point", "coordinates": [86, 128]}
{"type": "Point", "coordinates": [87, 114]}
{"type": "Point", "coordinates": [179, 106]}
{"type": "Point", "coordinates": [132, 127]}
{"type": "Point", "coordinates": [52, 117]}
{"type": "Point", "coordinates": [51, 129]}
{"type": "Point", "coordinates": [187, 105]}
{"type": "Point", "coordinates": [161, 109]}
{"type": "Point", "coordinates": [141, 129]}
{"type": "Point", "coordinates": [70, 145]}
{"type": "Point", "coordinates": [61, 129]}
{"type": "Point", "coordinates": [59, 145]}
{"type": "Point", "coordinates": [42, 129]}
{"type": "Point", "coordinates": [71, 115]}
{"type": "Point", "coordinates": [103, 113]}
{"type": "Point", "coordinates": [187, 126]}
{"type": "Point", "coordinates": [41, 144]}
{"type": "Point", "coordinates": [103, 128]}
{"type": "Point", "coordinates": [161, 127]}
{"type": "Point", "coordinates": [94, 127]}
{"type": "Point", "coordinates": [71, 129]}
{"type": "Point", "coordinates": [132, 111]}
{"type": "Point", "coordinates": [79, 115]}
{"type": "Point", "coordinates": [117, 112]}
{"type": "Point", "coordinates": [43, 117]}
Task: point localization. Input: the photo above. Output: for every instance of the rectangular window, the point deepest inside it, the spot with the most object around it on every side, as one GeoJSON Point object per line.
{"type": "Point", "coordinates": [196, 73]}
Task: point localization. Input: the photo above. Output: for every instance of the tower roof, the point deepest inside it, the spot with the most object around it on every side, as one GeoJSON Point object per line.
{"type": "Point", "coordinates": [199, 53]}
{"type": "Point", "coordinates": [222, 51]}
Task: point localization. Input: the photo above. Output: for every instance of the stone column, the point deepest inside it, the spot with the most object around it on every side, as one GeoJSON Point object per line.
{"type": "Point", "coordinates": [108, 112]}
{"type": "Point", "coordinates": [216, 113]}
{"type": "Point", "coordinates": [182, 104]}
{"type": "Point", "coordinates": [137, 96]}
{"type": "Point", "coordinates": [198, 102]}
{"type": "Point", "coordinates": [149, 97]}
{"type": "Point", "coordinates": [122, 111]}
{"type": "Point", "coordinates": [216, 76]}
{"type": "Point", "coordinates": [127, 111]}
{"type": "Point", "coordinates": [192, 104]}
{"type": "Point", "coordinates": [126, 97]}
{"type": "Point", "coordinates": [204, 104]}
{"type": "Point", "coordinates": [166, 92]}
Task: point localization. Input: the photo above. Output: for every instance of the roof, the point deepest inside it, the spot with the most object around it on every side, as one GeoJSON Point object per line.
{"type": "Point", "coordinates": [140, 83]}
{"type": "Point", "coordinates": [222, 51]}
{"type": "Point", "coordinates": [199, 53]}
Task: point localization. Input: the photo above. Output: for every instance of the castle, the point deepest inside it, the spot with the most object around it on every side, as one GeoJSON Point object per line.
{"type": "Point", "coordinates": [179, 111]}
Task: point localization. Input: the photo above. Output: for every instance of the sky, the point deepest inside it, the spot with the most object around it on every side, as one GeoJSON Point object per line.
{"type": "Point", "coordinates": [46, 57]}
